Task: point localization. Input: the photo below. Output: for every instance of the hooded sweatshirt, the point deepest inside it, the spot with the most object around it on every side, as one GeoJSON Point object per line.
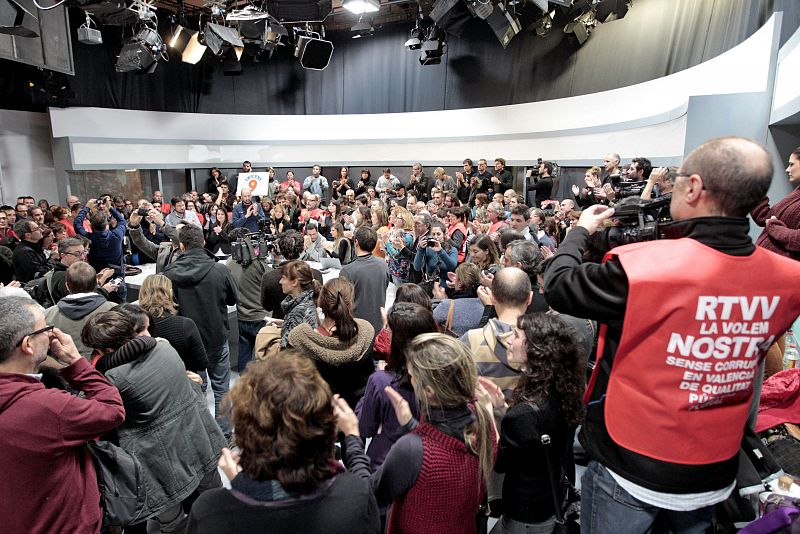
{"type": "Point", "coordinates": [50, 483]}
{"type": "Point", "coordinates": [73, 311]}
{"type": "Point", "coordinates": [204, 289]}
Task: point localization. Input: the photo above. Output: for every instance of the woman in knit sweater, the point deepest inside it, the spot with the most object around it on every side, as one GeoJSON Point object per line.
{"type": "Point", "coordinates": [782, 221]}
{"type": "Point", "coordinates": [434, 477]}
{"type": "Point", "coordinates": [340, 344]}
{"type": "Point", "coordinates": [299, 306]}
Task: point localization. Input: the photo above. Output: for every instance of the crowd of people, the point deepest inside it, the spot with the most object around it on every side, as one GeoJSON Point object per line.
{"type": "Point", "coordinates": [428, 416]}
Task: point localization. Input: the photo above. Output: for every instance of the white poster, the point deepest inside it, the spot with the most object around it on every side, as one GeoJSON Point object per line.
{"type": "Point", "coordinates": [257, 182]}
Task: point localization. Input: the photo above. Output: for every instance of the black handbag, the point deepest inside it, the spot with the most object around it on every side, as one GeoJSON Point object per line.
{"type": "Point", "coordinates": [566, 499]}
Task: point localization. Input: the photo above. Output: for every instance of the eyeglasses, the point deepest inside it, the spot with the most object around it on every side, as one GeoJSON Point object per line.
{"type": "Point", "coordinates": [47, 328]}
{"type": "Point", "coordinates": [81, 254]}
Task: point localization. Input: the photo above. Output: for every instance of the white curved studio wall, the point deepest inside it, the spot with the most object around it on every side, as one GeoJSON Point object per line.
{"type": "Point", "coordinates": [647, 118]}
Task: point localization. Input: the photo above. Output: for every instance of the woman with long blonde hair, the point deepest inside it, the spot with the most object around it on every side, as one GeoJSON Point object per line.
{"type": "Point", "coordinates": [156, 298]}
{"type": "Point", "coordinates": [434, 476]}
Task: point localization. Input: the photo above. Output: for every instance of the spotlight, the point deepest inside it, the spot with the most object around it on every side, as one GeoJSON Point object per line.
{"type": "Point", "coordinates": [609, 10]}
{"type": "Point", "coordinates": [13, 17]}
{"type": "Point", "coordinates": [543, 26]}
{"type": "Point", "coordinates": [362, 28]}
{"type": "Point", "coordinates": [180, 38]}
{"type": "Point", "coordinates": [504, 24]}
{"type": "Point", "coordinates": [361, 6]}
{"type": "Point", "coordinates": [314, 53]}
{"type": "Point", "coordinates": [434, 47]}
{"type": "Point", "coordinates": [415, 40]}
{"type": "Point", "coordinates": [219, 38]}
{"type": "Point", "coordinates": [141, 53]}
{"type": "Point", "coordinates": [581, 27]}
{"type": "Point", "coordinates": [481, 8]}
{"type": "Point", "coordinates": [194, 50]}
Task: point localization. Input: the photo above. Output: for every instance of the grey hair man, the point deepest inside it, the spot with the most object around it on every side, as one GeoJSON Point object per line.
{"type": "Point", "coordinates": [44, 452]}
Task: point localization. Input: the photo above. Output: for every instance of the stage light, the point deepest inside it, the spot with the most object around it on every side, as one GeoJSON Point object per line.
{"type": "Point", "coordinates": [415, 39]}
{"type": "Point", "coordinates": [180, 38]}
{"type": "Point", "coordinates": [314, 53]}
{"type": "Point", "coordinates": [504, 24]}
{"type": "Point", "coordinates": [362, 28]}
{"type": "Point", "coordinates": [219, 38]}
{"type": "Point", "coordinates": [360, 7]}
{"type": "Point", "coordinates": [582, 26]}
{"type": "Point", "coordinates": [434, 46]}
{"type": "Point", "coordinates": [141, 52]}
{"type": "Point", "coordinates": [610, 10]}
{"type": "Point", "coordinates": [194, 50]}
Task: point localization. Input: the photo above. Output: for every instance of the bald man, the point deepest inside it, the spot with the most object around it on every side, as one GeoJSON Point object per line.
{"type": "Point", "coordinates": [670, 397]}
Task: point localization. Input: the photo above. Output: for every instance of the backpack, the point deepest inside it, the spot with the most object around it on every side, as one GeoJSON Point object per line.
{"type": "Point", "coordinates": [268, 342]}
{"type": "Point", "coordinates": [120, 477]}
{"type": "Point", "coordinates": [41, 290]}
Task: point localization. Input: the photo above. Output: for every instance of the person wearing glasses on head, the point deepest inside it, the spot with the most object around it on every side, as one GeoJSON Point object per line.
{"type": "Point", "coordinates": [29, 260]}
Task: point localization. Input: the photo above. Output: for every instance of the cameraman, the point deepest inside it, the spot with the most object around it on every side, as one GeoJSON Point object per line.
{"type": "Point", "coordinates": [542, 183]}
{"type": "Point", "coordinates": [664, 418]}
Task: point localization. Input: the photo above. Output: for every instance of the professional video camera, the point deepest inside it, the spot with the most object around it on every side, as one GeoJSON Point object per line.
{"type": "Point", "coordinates": [533, 172]}
{"type": "Point", "coordinates": [638, 220]}
{"type": "Point", "coordinates": [259, 245]}
{"type": "Point", "coordinates": [626, 189]}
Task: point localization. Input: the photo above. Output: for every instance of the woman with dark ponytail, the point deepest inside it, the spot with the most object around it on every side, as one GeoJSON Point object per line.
{"type": "Point", "coordinates": [340, 344]}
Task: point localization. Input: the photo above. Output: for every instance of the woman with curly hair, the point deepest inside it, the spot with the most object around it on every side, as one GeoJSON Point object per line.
{"type": "Point", "coordinates": [547, 400]}
{"type": "Point", "coordinates": [434, 476]}
{"type": "Point", "coordinates": [286, 478]}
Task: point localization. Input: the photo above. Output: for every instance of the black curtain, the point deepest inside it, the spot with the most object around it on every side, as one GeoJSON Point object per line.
{"type": "Point", "coordinates": [378, 75]}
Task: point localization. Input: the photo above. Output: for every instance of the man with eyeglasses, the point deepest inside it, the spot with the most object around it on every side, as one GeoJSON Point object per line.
{"type": "Point", "coordinates": [45, 430]}
{"type": "Point", "coordinates": [672, 392]}
{"type": "Point", "coordinates": [29, 260]}
{"type": "Point", "coordinates": [70, 250]}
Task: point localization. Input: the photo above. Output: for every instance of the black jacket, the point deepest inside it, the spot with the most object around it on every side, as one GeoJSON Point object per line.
{"type": "Point", "coordinates": [29, 261]}
{"type": "Point", "coordinates": [204, 289]}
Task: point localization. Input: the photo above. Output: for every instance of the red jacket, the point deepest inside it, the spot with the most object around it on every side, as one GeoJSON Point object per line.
{"type": "Point", "coordinates": [49, 483]}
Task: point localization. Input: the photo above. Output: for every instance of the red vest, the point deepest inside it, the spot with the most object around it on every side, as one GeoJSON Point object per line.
{"type": "Point", "coordinates": [680, 385]}
{"type": "Point", "coordinates": [448, 490]}
{"type": "Point", "coordinates": [462, 252]}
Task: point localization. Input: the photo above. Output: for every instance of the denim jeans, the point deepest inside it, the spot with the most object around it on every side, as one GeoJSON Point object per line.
{"type": "Point", "coordinates": [247, 341]}
{"type": "Point", "coordinates": [219, 374]}
{"type": "Point", "coordinates": [606, 506]}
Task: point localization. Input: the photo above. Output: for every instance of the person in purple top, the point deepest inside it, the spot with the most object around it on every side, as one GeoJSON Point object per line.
{"type": "Point", "coordinates": [376, 417]}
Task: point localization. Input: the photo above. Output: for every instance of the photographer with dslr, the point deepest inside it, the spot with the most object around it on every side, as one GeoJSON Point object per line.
{"type": "Point", "coordinates": [669, 399]}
